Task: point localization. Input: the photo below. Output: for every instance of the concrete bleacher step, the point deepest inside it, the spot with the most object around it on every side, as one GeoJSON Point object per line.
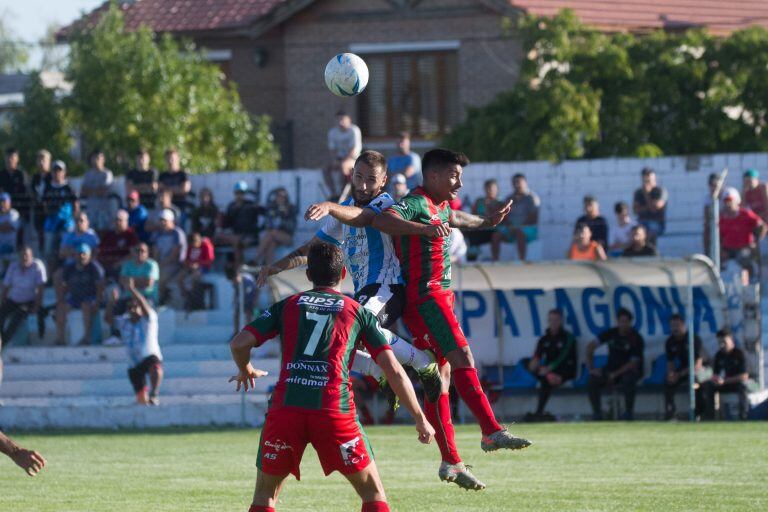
{"type": "Point", "coordinates": [192, 334]}
{"type": "Point", "coordinates": [95, 370]}
{"type": "Point", "coordinates": [122, 412]}
{"type": "Point", "coordinates": [184, 386]}
{"type": "Point", "coordinates": [172, 352]}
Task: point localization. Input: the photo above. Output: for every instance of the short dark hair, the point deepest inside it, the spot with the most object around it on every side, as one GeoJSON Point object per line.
{"type": "Point", "coordinates": [589, 199]}
{"type": "Point", "coordinates": [712, 178]}
{"type": "Point", "coordinates": [24, 248]}
{"type": "Point", "coordinates": [519, 176]}
{"type": "Point", "coordinates": [405, 134]}
{"type": "Point", "coordinates": [440, 158]}
{"type": "Point", "coordinates": [142, 151]}
{"type": "Point", "coordinates": [373, 159]}
{"type": "Point", "coordinates": [94, 153]}
{"type": "Point", "coordinates": [676, 316]}
{"type": "Point", "coordinates": [342, 113]}
{"type": "Point", "coordinates": [646, 171]}
{"type": "Point", "coordinates": [725, 331]}
{"type": "Point", "coordinates": [11, 150]}
{"type": "Point", "coordinates": [325, 263]}
{"type": "Point", "coordinates": [555, 311]}
{"type": "Point", "coordinates": [489, 182]}
{"type": "Point", "coordinates": [638, 227]}
{"type": "Point", "coordinates": [621, 206]}
{"type": "Point", "coordinates": [625, 313]}
{"type": "Point", "coordinates": [580, 227]}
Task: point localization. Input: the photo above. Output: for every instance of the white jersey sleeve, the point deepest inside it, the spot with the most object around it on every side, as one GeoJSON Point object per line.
{"type": "Point", "coordinates": [332, 231]}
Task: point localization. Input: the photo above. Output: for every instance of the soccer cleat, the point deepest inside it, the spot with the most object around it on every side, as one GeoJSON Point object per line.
{"type": "Point", "coordinates": [460, 475]}
{"type": "Point", "coordinates": [393, 401]}
{"type": "Point", "coordinates": [429, 377]}
{"type": "Point", "coordinates": [503, 439]}
{"type": "Point", "coordinates": [154, 399]}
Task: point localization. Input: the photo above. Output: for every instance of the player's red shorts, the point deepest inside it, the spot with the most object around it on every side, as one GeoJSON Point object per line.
{"type": "Point", "coordinates": [338, 439]}
{"type": "Point", "coordinates": [434, 325]}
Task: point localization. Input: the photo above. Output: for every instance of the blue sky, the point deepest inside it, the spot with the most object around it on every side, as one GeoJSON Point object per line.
{"type": "Point", "coordinates": [29, 19]}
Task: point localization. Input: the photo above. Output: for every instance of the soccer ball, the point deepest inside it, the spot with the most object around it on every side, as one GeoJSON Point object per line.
{"type": "Point", "coordinates": [346, 75]}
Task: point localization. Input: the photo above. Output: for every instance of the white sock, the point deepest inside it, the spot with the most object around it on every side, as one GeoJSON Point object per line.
{"type": "Point", "coordinates": [408, 355]}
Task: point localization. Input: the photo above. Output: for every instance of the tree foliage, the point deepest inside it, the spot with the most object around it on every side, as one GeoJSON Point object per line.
{"type": "Point", "coordinates": [584, 93]}
{"type": "Point", "coordinates": [133, 90]}
{"type": "Point", "coordinates": [40, 124]}
{"type": "Point", "coordinates": [13, 53]}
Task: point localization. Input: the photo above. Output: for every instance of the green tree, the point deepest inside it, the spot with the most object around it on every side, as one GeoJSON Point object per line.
{"type": "Point", "coordinates": [13, 53]}
{"type": "Point", "coordinates": [583, 93]}
{"type": "Point", "coordinates": [133, 90]}
{"type": "Point", "coordinates": [40, 124]}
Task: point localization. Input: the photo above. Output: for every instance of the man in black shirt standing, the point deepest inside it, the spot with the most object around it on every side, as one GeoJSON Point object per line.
{"type": "Point", "coordinates": [143, 179]}
{"type": "Point", "coordinates": [729, 375]}
{"type": "Point", "coordinates": [175, 179]}
{"type": "Point", "coordinates": [13, 180]}
{"type": "Point", "coordinates": [624, 367]}
{"type": "Point", "coordinates": [595, 221]}
{"type": "Point", "coordinates": [554, 360]}
{"type": "Point", "coordinates": [676, 350]}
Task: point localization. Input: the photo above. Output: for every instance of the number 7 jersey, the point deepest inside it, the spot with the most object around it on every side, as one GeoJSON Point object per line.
{"type": "Point", "coordinates": [319, 331]}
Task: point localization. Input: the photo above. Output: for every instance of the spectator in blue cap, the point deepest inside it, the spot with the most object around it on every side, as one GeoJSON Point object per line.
{"type": "Point", "coordinates": [10, 222]}
{"type": "Point", "coordinates": [755, 194]}
{"type": "Point", "coordinates": [82, 286]}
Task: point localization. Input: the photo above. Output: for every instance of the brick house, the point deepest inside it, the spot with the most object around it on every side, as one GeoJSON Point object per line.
{"type": "Point", "coordinates": [428, 59]}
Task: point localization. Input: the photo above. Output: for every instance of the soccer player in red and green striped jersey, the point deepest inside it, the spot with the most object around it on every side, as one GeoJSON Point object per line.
{"type": "Point", "coordinates": [429, 315]}
{"type": "Point", "coordinates": [313, 401]}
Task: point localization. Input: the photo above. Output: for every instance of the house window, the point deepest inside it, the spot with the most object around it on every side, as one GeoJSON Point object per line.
{"type": "Point", "coordinates": [416, 92]}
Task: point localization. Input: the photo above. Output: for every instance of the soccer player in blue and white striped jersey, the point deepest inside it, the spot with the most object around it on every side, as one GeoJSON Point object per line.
{"type": "Point", "coordinates": [370, 258]}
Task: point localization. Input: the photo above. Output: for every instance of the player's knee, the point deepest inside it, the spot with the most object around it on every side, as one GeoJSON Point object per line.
{"type": "Point", "coordinates": [461, 358]}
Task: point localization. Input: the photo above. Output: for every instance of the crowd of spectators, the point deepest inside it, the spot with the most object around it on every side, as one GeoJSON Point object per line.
{"type": "Point", "coordinates": [93, 244]}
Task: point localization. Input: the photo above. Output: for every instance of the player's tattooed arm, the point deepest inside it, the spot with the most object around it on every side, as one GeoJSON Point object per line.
{"type": "Point", "coordinates": [350, 215]}
{"type": "Point", "coordinates": [294, 259]}
{"type": "Point", "coordinates": [464, 220]}
{"type": "Point", "coordinates": [391, 223]}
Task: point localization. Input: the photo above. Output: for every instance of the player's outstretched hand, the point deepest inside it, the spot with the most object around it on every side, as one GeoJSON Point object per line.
{"type": "Point", "coordinates": [425, 429]}
{"type": "Point", "coordinates": [264, 273]}
{"type": "Point", "coordinates": [437, 230]}
{"type": "Point", "coordinates": [28, 460]}
{"type": "Point", "coordinates": [499, 216]}
{"type": "Point", "coordinates": [317, 211]}
{"type": "Point", "coordinates": [247, 379]}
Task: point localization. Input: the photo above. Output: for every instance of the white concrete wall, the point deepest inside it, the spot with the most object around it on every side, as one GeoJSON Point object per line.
{"type": "Point", "coordinates": [560, 186]}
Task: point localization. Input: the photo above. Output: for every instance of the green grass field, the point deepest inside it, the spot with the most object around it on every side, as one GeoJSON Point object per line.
{"type": "Point", "coordinates": [582, 466]}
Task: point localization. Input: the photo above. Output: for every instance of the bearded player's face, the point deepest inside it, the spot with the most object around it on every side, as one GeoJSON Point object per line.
{"type": "Point", "coordinates": [367, 182]}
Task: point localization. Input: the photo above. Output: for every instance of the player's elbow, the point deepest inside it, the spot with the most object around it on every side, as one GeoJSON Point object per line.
{"type": "Point", "coordinates": [242, 341]}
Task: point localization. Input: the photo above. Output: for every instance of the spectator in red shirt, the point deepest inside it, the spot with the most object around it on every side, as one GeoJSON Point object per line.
{"type": "Point", "coordinates": [739, 230]}
{"type": "Point", "coordinates": [755, 194]}
{"type": "Point", "coordinates": [198, 262]}
{"type": "Point", "coordinates": [116, 244]}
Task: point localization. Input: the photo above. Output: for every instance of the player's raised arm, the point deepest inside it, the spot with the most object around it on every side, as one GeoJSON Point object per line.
{"type": "Point", "coordinates": [464, 220]}
{"type": "Point", "coordinates": [295, 258]}
{"type": "Point", "coordinates": [392, 223]}
{"type": "Point", "coordinates": [346, 214]}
